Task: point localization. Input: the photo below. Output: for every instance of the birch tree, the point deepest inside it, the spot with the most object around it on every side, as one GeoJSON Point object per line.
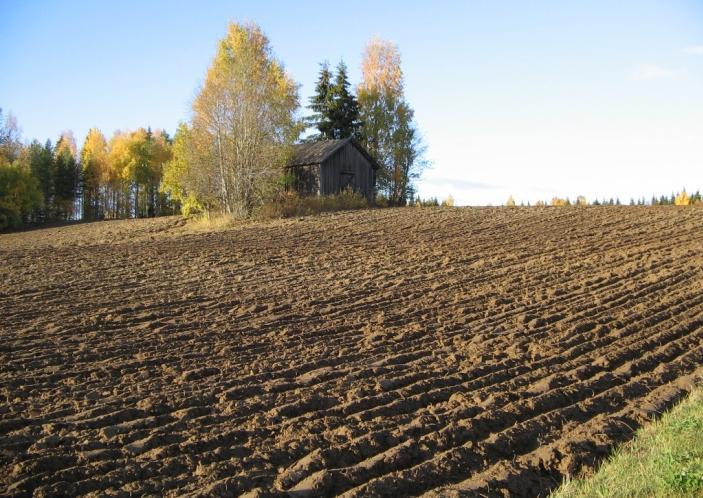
{"type": "Point", "coordinates": [95, 173]}
{"type": "Point", "coordinates": [243, 118]}
{"type": "Point", "coordinates": [388, 127]}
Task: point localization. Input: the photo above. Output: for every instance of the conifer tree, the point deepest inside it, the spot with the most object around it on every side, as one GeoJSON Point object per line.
{"type": "Point", "coordinates": [42, 167]}
{"type": "Point", "coordinates": [66, 177]}
{"type": "Point", "coordinates": [321, 104]}
{"type": "Point", "coordinates": [335, 108]}
{"type": "Point", "coordinates": [345, 108]}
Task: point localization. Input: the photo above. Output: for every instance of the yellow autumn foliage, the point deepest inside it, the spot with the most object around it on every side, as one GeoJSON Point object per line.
{"type": "Point", "coordinates": [380, 68]}
{"type": "Point", "coordinates": [682, 199]}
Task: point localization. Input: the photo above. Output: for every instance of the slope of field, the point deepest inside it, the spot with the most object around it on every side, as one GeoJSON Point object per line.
{"type": "Point", "coordinates": [452, 352]}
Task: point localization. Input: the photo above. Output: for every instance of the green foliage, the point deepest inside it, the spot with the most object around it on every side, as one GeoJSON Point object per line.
{"type": "Point", "coordinates": [176, 170]}
{"type": "Point", "coordinates": [19, 193]}
{"type": "Point", "coordinates": [345, 108]}
{"type": "Point", "coordinates": [181, 183]}
{"type": "Point", "coordinates": [42, 167]}
{"type": "Point", "coordinates": [66, 179]}
{"type": "Point", "coordinates": [321, 104]}
{"type": "Point", "coordinates": [190, 206]}
{"type": "Point", "coordinates": [335, 108]}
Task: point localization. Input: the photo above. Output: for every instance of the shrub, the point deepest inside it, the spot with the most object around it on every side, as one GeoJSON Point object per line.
{"type": "Point", "coordinates": [191, 206]}
{"type": "Point", "coordinates": [290, 204]}
{"type": "Point", "coordinates": [382, 201]}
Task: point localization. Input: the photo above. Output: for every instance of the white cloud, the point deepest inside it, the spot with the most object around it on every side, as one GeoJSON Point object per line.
{"type": "Point", "coordinates": [694, 50]}
{"type": "Point", "coordinates": [653, 72]}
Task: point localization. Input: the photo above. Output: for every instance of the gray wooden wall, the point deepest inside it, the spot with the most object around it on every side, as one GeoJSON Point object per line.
{"type": "Point", "coordinates": [339, 168]}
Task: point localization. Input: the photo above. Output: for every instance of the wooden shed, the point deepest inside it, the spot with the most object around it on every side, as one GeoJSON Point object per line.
{"type": "Point", "coordinates": [326, 167]}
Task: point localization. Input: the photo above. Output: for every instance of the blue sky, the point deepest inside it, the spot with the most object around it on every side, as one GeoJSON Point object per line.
{"type": "Point", "coordinates": [533, 99]}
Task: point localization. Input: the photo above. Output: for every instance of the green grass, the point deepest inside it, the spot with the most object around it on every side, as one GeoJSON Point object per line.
{"type": "Point", "coordinates": [665, 459]}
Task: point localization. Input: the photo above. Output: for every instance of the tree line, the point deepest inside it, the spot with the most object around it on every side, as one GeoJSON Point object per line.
{"type": "Point", "coordinates": [119, 178]}
{"type": "Point", "coordinates": [681, 198]}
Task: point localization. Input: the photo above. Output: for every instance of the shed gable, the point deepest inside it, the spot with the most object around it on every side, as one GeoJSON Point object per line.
{"type": "Point", "coordinates": [327, 167]}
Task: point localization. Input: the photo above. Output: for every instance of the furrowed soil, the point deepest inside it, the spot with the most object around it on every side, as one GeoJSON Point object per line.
{"type": "Point", "coordinates": [435, 352]}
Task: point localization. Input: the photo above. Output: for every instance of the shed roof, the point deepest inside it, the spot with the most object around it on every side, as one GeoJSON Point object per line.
{"type": "Point", "coordinates": [318, 152]}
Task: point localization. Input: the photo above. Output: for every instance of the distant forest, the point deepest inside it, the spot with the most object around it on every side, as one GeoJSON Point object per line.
{"type": "Point", "coordinates": [681, 198]}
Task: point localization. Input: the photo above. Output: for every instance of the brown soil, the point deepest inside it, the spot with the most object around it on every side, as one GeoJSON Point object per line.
{"type": "Point", "coordinates": [453, 352]}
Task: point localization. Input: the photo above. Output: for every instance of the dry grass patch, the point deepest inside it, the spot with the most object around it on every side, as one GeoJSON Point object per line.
{"type": "Point", "coordinates": [212, 223]}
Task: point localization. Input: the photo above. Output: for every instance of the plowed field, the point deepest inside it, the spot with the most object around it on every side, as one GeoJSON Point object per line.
{"type": "Point", "coordinates": [453, 352]}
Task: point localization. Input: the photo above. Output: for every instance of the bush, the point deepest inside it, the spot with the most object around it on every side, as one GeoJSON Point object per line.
{"type": "Point", "coordinates": [290, 204]}
{"type": "Point", "coordinates": [191, 206]}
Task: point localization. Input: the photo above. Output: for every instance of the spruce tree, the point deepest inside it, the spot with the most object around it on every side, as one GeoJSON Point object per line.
{"type": "Point", "coordinates": [321, 104]}
{"type": "Point", "coordinates": [43, 168]}
{"type": "Point", "coordinates": [335, 108]}
{"type": "Point", "coordinates": [66, 180]}
{"type": "Point", "coordinates": [345, 108]}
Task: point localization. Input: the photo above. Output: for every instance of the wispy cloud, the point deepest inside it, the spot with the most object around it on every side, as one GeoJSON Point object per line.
{"type": "Point", "coordinates": [459, 183]}
{"type": "Point", "coordinates": [653, 72]}
{"type": "Point", "coordinates": [693, 50]}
